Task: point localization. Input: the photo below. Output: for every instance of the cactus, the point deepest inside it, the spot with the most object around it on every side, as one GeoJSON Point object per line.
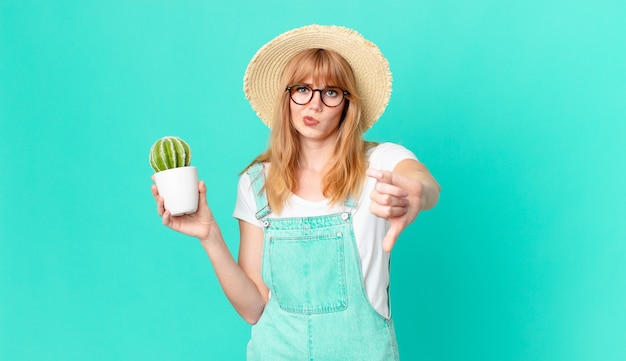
{"type": "Point", "coordinates": [169, 152]}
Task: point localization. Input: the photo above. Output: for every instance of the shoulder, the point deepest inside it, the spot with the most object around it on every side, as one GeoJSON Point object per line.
{"type": "Point", "coordinates": [390, 148]}
{"type": "Point", "coordinates": [246, 205]}
{"type": "Point", "coordinates": [251, 173]}
{"type": "Point", "coordinates": [386, 156]}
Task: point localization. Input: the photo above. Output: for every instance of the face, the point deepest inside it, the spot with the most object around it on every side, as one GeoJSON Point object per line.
{"type": "Point", "coordinates": [315, 120]}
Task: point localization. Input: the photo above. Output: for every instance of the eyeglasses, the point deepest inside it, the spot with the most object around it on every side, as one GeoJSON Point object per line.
{"type": "Point", "coordinates": [331, 96]}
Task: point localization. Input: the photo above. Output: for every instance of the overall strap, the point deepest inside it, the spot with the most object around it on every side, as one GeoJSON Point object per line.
{"type": "Point", "coordinates": [350, 202]}
{"type": "Point", "coordinates": [257, 179]}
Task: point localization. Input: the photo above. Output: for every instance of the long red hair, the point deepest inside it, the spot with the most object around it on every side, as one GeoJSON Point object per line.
{"type": "Point", "coordinates": [346, 170]}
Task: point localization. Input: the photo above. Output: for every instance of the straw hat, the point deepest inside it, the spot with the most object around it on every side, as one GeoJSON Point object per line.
{"type": "Point", "coordinates": [373, 78]}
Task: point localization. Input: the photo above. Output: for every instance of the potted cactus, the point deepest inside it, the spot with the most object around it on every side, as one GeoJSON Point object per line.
{"type": "Point", "coordinates": [176, 180]}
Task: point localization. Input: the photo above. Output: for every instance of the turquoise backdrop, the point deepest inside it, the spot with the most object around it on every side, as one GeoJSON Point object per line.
{"type": "Point", "coordinates": [517, 107]}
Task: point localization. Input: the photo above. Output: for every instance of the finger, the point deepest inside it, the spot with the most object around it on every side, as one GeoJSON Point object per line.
{"type": "Point", "coordinates": [386, 188]}
{"type": "Point", "coordinates": [388, 200]}
{"type": "Point", "coordinates": [160, 204]}
{"type": "Point", "coordinates": [385, 180]}
{"type": "Point", "coordinates": [394, 212]}
{"type": "Point", "coordinates": [374, 173]}
{"type": "Point", "coordinates": [380, 175]}
{"type": "Point", "coordinates": [387, 212]}
{"type": "Point", "coordinates": [167, 217]}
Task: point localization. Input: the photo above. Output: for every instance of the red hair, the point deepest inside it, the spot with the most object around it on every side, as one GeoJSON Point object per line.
{"type": "Point", "coordinates": [348, 163]}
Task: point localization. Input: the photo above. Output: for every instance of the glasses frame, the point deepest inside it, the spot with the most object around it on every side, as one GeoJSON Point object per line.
{"type": "Point", "coordinates": [344, 92]}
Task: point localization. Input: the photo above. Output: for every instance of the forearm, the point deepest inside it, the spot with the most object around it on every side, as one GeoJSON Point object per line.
{"type": "Point", "coordinates": [240, 290]}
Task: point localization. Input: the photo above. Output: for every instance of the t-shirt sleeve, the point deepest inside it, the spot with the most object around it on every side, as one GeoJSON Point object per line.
{"type": "Point", "coordinates": [245, 206]}
{"type": "Point", "coordinates": [386, 156]}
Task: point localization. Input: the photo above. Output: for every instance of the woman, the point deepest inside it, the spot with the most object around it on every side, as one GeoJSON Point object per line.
{"type": "Point", "coordinates": [320, 210]}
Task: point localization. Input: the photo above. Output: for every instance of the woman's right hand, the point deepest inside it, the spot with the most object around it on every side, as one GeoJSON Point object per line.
{"type": "Point", "coordinates": [198, 224]}
{"type": "Point", "coordinates": [241, 281]}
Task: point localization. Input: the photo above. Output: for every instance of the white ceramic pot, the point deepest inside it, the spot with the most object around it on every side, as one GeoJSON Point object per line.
{"type": "Point", "coordinates": [179, 189]}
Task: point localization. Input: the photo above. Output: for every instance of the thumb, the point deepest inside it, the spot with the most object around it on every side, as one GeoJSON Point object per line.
{"type": "Point", "coordinates": [202, 201]}
{"type": "Point", "coordinates": [202, 189]}
{"type": "Point", "coordinates": [391, 237]}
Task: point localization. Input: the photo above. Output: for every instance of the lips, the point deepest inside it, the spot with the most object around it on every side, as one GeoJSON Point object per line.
{"type": "Point", "coordinates": [310, 121]}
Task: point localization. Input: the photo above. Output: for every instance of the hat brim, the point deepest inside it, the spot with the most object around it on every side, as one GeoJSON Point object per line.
{"type": "Point", "coordinates": [370, 67]}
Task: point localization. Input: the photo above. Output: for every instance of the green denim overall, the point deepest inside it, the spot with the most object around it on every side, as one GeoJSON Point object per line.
{"type": "Point", "coordinates": [318, 309]}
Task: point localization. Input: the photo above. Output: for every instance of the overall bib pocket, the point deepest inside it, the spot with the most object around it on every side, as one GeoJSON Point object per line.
{"type": "Point", "coordinates": [299, 281]}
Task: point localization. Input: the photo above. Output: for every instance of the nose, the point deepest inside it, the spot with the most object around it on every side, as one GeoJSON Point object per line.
{"type": "Point", "coordinates": [316, 101]}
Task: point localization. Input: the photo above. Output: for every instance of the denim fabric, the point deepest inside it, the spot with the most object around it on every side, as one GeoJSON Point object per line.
{"type": "Point", "coordinates": [318, 308]}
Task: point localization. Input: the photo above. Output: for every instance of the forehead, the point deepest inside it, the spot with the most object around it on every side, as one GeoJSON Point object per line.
{"type": "Point", "coordinates": [317, 72]}
{"type": "Point", "coordinates": [317, 82]}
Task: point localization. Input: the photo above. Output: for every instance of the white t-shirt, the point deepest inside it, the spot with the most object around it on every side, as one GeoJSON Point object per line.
{"type": "Point", "coordinates": [369, 230]}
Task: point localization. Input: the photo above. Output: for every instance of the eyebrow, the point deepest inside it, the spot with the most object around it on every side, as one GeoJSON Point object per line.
{"type": "Point", "coordinates": [324, 87]}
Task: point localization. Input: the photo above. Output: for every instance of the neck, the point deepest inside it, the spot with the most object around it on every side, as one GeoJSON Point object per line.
{"type": "Point", "coordinates": [315, 155]}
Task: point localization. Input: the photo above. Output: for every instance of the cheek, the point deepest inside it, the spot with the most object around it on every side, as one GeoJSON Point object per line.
{"type": "Point", "coordinates": [337, 114]}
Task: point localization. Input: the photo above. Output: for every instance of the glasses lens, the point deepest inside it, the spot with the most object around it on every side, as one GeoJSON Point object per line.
{"type": "Point", "coordinates": [301, 94]}
{"type": "Point", "coordinates": [332, 96]}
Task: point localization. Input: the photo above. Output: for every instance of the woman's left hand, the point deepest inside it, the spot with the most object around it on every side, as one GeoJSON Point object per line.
{"type": "Point", "coordinates": [396, 198]}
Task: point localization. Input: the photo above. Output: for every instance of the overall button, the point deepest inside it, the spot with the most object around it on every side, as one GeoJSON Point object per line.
{"type": "Point", "coordinates": [344, 216]}
{"type": "Point", "coordinates": [266, 224]}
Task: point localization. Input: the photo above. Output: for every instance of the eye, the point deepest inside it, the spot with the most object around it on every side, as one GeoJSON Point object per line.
{"type": "Point", "coordinates": [331, 92]}
{"type": "Point", "coordinates": [303, 89]}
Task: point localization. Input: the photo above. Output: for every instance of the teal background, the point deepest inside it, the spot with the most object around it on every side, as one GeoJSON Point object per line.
{"type": "Point", "coordinates": [517, 107]}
